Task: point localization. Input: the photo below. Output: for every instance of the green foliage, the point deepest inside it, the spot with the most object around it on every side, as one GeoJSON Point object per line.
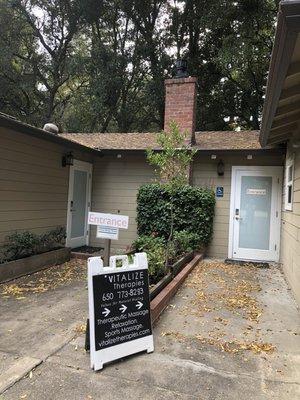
{"type": "Point", "coordinates": [22, 244]}
{"type": "Point", "coordinates": [155, 247]}
{"type": "Point", "coordinates": [172, 163]}
{"type": "Point", "coordinates": [53, 238]}
{"type": "Point", "coordinates": [185, 242]}
{"type": "Point", "coordinates": [25, 244]}
{"type": "Point", "coordinates": [96, 66]}
{"type": "Point", "coordinates": [193, 209]}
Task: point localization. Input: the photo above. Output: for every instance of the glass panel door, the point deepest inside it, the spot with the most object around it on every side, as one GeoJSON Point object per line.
{"type": "Point", "coordinates": [255, 205]}
{"type": "Point", "coordinates": [78, 205]}
{"type": "Point", "coordinates": [255, 212]}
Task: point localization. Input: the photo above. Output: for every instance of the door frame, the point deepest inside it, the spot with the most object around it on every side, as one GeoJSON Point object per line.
{"type": "Point", "coordinates": [276, 219]}
{"type": "Point", "coordinates": [86, 166]}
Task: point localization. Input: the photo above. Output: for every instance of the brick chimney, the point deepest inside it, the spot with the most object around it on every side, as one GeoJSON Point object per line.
{"type": "Point", "coordinates": [180, 104]}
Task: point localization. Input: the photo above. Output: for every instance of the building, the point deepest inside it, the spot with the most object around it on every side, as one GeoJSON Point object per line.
{"type": "Point", "coordinates": [49, 180]}
{"type": "Point", "coordinates": [280, 126]}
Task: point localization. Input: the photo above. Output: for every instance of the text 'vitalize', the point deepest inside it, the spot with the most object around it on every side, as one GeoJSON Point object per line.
{"type": "Point", "coordinates": [125, 277]}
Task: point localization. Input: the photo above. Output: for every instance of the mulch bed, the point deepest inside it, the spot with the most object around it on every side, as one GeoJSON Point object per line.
{"type": "Point", "coordinates": [87, 249]}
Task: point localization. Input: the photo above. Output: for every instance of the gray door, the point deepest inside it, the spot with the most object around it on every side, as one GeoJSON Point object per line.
{"type": "Point", "coordinates": [79, 204]}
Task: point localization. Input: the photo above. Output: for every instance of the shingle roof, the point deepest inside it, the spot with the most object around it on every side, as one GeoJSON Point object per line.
{"type": "Point", "coordinates": [210, 140]}
{"type": "Point", "coordinates": [228, 140]}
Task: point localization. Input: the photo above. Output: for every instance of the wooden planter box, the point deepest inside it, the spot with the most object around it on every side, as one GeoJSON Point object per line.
{"type": "Point", "coordinates": [164, 290]}
{"type": "Point", "coordinates": [28, 265]}
{"type": "Point", "coordinates": [175, 269]}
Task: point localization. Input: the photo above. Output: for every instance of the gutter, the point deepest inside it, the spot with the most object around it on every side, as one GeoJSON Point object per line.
{"type": "Point", "coordinates": [270, 151]}
{"type": "Point", "coordinates": [288, 27]}
{"type": "Point", "coordinates": [9, 122]}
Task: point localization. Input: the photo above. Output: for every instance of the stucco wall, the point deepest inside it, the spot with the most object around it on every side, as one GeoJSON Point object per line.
{"type": "Point", "coordinates": [33, 184]}
{"type": "Point", "coordinates": [290, 233]}
{"type": "Point", "coordinates": [116, 182]}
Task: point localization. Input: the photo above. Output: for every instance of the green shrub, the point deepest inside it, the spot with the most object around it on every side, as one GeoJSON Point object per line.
{"type": "Point", "coordinates": [193, 209]}
{"type": "Point", "coordinates": [54, 238]}
{"type": "Point", "coordinates": [155, 248]}
{"type": "Point", "coordinates": [25, 244]}
{"type": "Point", "coordinates": [185, 242]}
{"type": "Point", "coordinates": [22, 244]}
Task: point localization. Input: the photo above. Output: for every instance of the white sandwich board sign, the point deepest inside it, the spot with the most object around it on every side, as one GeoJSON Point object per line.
{"type": "Point", "coordinates": [119, 309]}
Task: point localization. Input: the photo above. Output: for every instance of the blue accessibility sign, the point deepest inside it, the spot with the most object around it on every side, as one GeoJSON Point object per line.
{"type": "Point", "coordinates": [219, 191]}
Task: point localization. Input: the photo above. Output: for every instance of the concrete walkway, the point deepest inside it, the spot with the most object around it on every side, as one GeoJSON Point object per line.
{"type": "Point", "coordinates": [231, 332]}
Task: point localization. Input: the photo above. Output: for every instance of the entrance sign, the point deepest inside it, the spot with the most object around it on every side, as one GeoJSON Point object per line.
{"type": "Point", "coordinates": [257, 192]}
{"type": "Point", "coordinates": [107, 232]}
{"type": "Point", "coordinates": [111, 220]}
{"type": "Point", "coordinates": [119, 309]}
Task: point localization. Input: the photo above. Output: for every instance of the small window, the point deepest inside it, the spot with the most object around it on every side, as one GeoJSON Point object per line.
{"type": "Point", "coordinates": [289, 184]}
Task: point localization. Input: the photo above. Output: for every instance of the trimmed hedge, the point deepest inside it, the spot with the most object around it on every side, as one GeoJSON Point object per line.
{"type": "Point", "coordinates": [193, 209]}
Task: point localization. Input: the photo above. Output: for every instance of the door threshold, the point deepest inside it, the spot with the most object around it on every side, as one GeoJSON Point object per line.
{"type": "Point", "coordinates": [256, 263]}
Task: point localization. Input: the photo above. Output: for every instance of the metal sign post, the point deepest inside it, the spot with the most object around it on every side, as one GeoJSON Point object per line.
{"type": "Point", "coordinates": [119, 309]}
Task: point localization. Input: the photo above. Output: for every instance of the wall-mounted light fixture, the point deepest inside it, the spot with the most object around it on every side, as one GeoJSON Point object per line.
{"type": "Point", "coordinates": [249, 157]}
{"type": "Point", "coordinates": [67, 159]}
{"type": "Point", "coordinates": [220, 168]}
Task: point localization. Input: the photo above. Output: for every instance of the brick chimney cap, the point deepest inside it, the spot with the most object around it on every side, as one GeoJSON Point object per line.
{"type": "Point", "coordinates": [190, 79]}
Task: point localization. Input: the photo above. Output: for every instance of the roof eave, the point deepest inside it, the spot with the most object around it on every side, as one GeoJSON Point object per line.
{"type": "Point", "coordinates": [288, 28]}
{"type": "Point", "coordinates": [33, 131]}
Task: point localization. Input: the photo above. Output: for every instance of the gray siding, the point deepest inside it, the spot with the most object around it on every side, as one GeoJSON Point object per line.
{"type": "Point", "coordinates": [290, 235]}
{"type": "Point", "coordinates": [115, 185]}
{"type": "Point", "coordinates": [33, 184]}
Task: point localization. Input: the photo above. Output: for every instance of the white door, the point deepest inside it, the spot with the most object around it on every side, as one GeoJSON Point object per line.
{"type": "Point", "coordinates": [79, 199]}
{"type": "Point", "coordinates": [255, 213]}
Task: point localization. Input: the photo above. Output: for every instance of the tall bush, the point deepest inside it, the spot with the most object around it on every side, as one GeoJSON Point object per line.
{"type": "Point", "coordinates": [193, 210]}
{"type": "Point", "coordinates": [172, 166]}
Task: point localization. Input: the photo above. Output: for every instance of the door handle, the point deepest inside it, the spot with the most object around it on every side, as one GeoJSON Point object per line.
{"type": "Point", "coordinates": [71, 206]}
{"type": "Point", "coordinates": [237, 214]}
